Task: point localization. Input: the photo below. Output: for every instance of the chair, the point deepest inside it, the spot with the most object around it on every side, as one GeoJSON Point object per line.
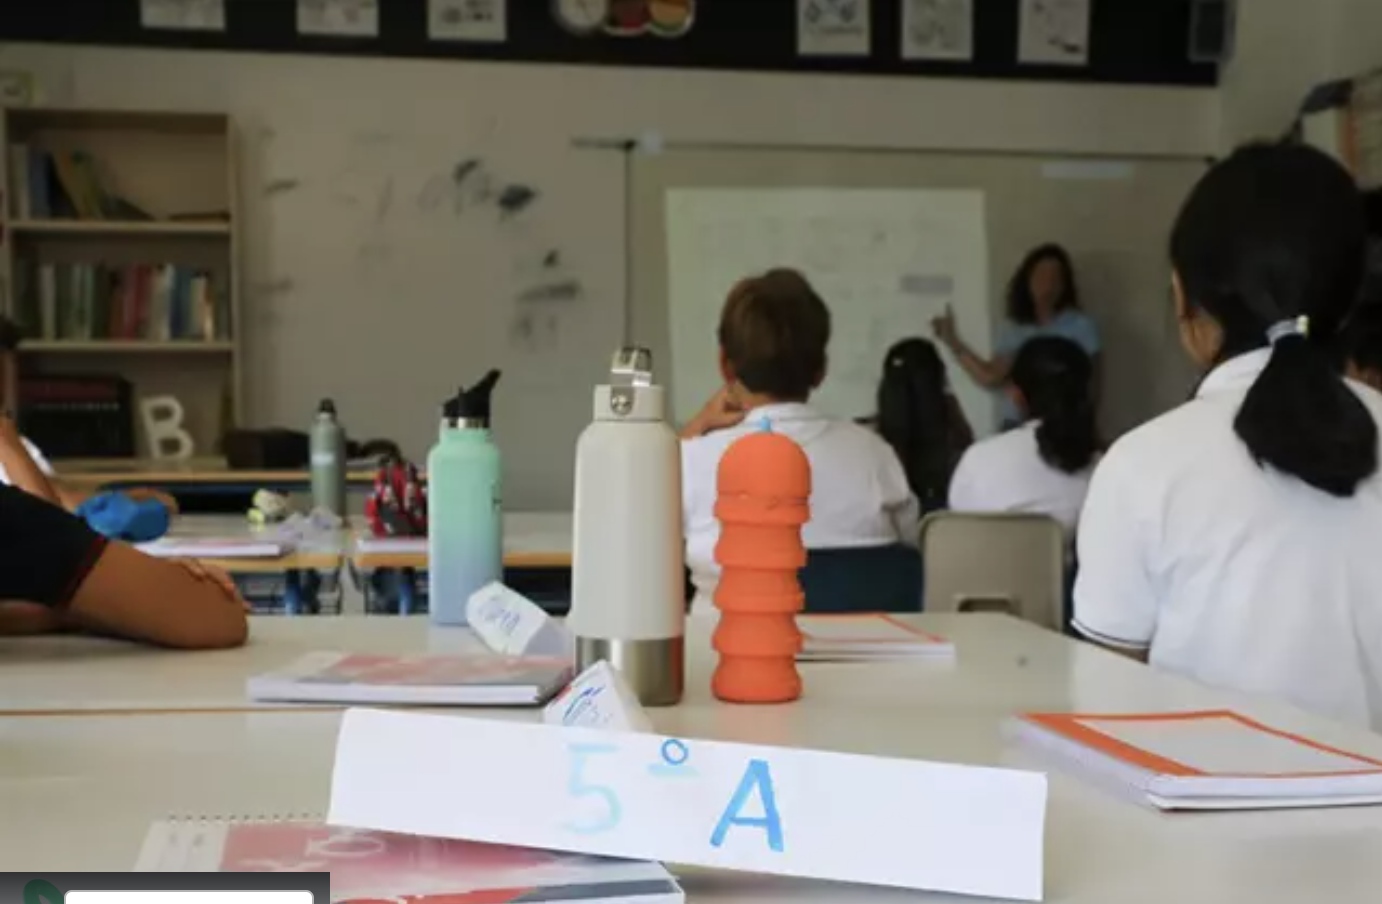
{"type": "Point", "coordinates": [1006, 562]}
{"type": "Point", "coordinates": [862, 579]}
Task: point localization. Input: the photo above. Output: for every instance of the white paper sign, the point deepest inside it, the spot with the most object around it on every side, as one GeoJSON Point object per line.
{"type": "Point", "coordinates": [598, 698]}
{"type": "Point", "coordinates": [511, 624]}
{"type": "Point", "coordinates": [832, 27]}
{"type": "Point", "coordinates": [467, 20]}
{"type": "Point", "coordinates": [338, 18]}
{"type": "Point", "coordinates": [893, 822]}
{"type": "Point", "coordinates": [183, 15]}
{"type": "Point", "coordinates": [938, 29]}
{"type": "Point", "coordinates": [1054, 32]}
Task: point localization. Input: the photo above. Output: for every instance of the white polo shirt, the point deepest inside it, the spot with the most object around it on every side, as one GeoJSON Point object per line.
{"type": "Point", "coordinates": [859, 493]}
{"type": "Point", "coordinates": [1234, 574]}
{"type": "Point", "coordinates": [1006, 473]}
{"type": "Point", "coordinates": [36, 455]}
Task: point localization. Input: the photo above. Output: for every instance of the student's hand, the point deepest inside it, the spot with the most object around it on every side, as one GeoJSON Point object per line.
{"type": "Point", "coordinates": [719, 413]}
{"type": "Point", "coordinates": [214, 575]}
{"type": "Point", "coordinates": [944, 328]}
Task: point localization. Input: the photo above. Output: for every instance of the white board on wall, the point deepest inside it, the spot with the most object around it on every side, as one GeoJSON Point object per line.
{"type": "Point", "coordinates": [885, 261]}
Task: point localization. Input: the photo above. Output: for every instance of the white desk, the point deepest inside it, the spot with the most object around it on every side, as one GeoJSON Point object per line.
{"type": "Point", "coordinates": [77, 793]}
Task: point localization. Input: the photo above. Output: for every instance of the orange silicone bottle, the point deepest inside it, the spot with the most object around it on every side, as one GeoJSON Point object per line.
{"type": "Point", "coordinates": [764, 492]}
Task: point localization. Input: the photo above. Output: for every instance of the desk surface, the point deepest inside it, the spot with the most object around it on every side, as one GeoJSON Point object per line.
{"type": "Point", "coordinates": [531, 540]}
{"type": "Point", "coordinates": [79, 792]}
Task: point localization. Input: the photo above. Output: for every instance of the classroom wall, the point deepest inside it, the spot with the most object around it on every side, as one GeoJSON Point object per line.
{"type": "Point", "coordinates": [386, 303]}
{"type": "Point", "coordinates": [1282, 53]}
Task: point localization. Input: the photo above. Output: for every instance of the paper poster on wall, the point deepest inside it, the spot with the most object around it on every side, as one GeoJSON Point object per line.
{"type": "Point", "coordinates": [1054, 33]}
{"type": "Point", "coordinates": [467, 20]}
{"type": "Point", "coordinates": [833, 27]}
{"type": "Point", "coordinates": [885, 261]}
{"type": "Point", "coordinates": [339, 18]}
{"type": "Point", "coordinates": [938, 29]}
{"type": "Point", "coordinates": [183, 15]}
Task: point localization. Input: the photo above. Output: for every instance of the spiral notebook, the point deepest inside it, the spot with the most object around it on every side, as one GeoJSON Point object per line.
{"type": "Point", "coordinates": [1209, 760]}
{"type": "Point", "coordinates": [379, 866]}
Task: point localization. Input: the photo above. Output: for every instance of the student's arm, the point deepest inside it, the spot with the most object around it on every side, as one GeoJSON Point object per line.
{"type": "Point", "coordinates": [1116, 604]}
{"type": "Point", "coordinates": [901, 504]}
{"type": "Point", "coordinates": [52, 558]}
{"type": "Point", "coordinates": [719, 413]}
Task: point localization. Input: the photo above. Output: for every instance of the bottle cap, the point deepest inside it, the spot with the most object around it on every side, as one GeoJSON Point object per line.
{"type": "Point", "coordinates": [473, 405]}
{"type": "Point", "coordinates": [327, 406]}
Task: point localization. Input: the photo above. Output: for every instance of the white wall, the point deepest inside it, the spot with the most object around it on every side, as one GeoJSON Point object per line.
{"type": "Point", "coordinates": [1285, 48]}
{"type": "Point", "coordinates": [432, 294]}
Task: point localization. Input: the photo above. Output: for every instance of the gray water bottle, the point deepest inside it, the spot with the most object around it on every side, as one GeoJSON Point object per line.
{"type": "Point", "coordinates": [328, 460]}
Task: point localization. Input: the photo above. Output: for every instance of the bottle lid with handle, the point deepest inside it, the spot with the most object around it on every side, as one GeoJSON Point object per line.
{"type": "Point", "coordinates": [630, 394]}
{"type": "Point", "coordinates": [470, 408]}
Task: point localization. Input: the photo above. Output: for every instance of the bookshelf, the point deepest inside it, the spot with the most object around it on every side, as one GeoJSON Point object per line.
{"type": "Point", "coordinates": [120, 257]}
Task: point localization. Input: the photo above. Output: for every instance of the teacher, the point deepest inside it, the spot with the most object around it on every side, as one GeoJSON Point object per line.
{"type": "Point", "coordinates": [1042, 301]}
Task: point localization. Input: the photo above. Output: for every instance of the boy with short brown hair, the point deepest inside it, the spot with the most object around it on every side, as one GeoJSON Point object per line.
{"type": "Point", "coordinates": [774, 333]}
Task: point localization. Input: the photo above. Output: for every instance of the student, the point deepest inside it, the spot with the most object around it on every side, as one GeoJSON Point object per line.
{"type": "Point", "coordinates": [1043, 300]}
{"type": "Point", "coordinates": [56, 574]}
{"type": "Point", "coordinates": [773, 335]}
{"type": "Point", "coordinates": [69, 497]}
{"type": "Point", "coordinates": [921, 419]}
{"type": "Point", "coordinates": [1234, 539]}
{"type": "Point", "coordinates": [1044, 465]}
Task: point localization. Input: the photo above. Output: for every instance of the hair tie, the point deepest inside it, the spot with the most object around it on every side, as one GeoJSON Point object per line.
{"type": "Point", "coordinates": [1283, 329]}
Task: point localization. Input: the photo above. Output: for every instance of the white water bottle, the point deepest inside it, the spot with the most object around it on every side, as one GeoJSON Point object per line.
{"type": "Point", "coordinates": [628, 586]}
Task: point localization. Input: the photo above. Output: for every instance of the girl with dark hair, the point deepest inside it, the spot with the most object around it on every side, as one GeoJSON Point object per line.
{"type": "Point", "coordinates": [1045, 465]}
{"type": "Point", "coordinates": [1234, 539]}
{"type": "Point", "coordinates": [1043, 300]}
{"type": "Point", "coordinates": [921, 419]}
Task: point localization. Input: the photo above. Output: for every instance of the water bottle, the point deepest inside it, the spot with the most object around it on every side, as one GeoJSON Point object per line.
{"type": "Point", "coordinates": [628, 592]}
{"type": "Point", "coordinates": [328, 453]}
{"type": "Point", "coordinates": [465, 549]}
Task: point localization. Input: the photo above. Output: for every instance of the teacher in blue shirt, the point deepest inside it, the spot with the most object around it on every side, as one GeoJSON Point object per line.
{"type": "Point", "coordinates": [1042, 301]}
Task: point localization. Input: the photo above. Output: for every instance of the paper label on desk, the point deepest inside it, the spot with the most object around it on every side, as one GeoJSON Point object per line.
{"type": "Point", "coordinates": [509, 623]}
{"type": "Point", "coordinates": [598, 698]}
{"type": "Point", "coordinates": [893, 822]}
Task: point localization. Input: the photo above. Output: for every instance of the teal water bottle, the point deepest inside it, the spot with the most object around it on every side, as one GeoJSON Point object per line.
{"type": "Point", "coordinates": [465, 548]}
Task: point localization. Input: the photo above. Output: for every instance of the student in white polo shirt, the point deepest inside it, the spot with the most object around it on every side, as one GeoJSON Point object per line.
{"type": "Point", "coordinates": [1044, 465]}
{"type": "Point", "coordinates": [773, 335]}
{"type": "Point", "coordinates": [1235, 539]}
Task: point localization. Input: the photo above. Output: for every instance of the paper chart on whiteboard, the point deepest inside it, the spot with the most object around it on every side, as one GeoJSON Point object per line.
{"type": "Point", "coordinates": [183, 15]}
{"type": "Point", "coordinates": [885, 262]}
{"type": "Point", "coordinates": [338, 18]}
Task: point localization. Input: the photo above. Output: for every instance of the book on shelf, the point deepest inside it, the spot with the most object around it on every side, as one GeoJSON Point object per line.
{"type": "Point", "coordinates": [67, 185]}
{"type": "Point", "coordinates": [150, 302]}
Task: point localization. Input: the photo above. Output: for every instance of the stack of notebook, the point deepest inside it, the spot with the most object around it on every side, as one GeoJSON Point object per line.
{"type": "Point", "coordinates": [217, 548]}
{"type": "Point", "coordinates": [482, 679]}
{"type": "Point", "coordinates": [845, 638]}
{"type": "Point", "coordinates": [378, 866]}
{"type": "Point", "coordinates": [1215, 760]}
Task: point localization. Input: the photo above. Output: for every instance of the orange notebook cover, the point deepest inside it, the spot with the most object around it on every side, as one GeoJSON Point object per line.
{"type": "Point", "coordinates": [1206, 760]}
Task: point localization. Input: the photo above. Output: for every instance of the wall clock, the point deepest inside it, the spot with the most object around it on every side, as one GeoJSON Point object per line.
{"type": "Point", "coordinates": [581, 17]}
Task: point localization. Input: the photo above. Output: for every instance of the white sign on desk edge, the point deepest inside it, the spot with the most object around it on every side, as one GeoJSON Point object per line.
{"type": "Point", "coordinates": [845, 817]}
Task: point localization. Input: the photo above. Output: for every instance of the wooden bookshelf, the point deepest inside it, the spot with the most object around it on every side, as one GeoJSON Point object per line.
{"type": "Point", "coordinates": [120, 255]}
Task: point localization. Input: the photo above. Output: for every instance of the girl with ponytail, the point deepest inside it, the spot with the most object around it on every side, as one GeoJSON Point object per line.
{"type": "Point", "coordinates": [1234, 539]}
{"type": "Point", "coordinates": [1044, 465]}
{"type": "Point", "coordinates": [920, 418]}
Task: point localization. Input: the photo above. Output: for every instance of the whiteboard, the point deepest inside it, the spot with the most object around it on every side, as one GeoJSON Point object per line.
{"type": "Point", "coordinates": [885, 262]}
{"type": "Point", "coordinates": [1114, 215]}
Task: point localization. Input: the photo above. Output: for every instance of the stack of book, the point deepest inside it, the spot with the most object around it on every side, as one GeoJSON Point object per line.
{"type": "Point", "coordinates": [63, 185]}
{"type": "Point", "coordinates": [151, 302]}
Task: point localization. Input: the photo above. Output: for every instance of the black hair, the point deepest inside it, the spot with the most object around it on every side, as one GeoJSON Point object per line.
{"type": "Point", "coordinates": [1021, 304]}
{"type": "Point", "coordinates": [915, 418]}
{"type": "Point", "coordinates": [10, 334]}
{"type": "Point", "coordinates": [1360, 339]}
{"type": "Point", "coordinates": [1275, 234]}
{"type": "Point", "coordinates": [1056, 379]}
